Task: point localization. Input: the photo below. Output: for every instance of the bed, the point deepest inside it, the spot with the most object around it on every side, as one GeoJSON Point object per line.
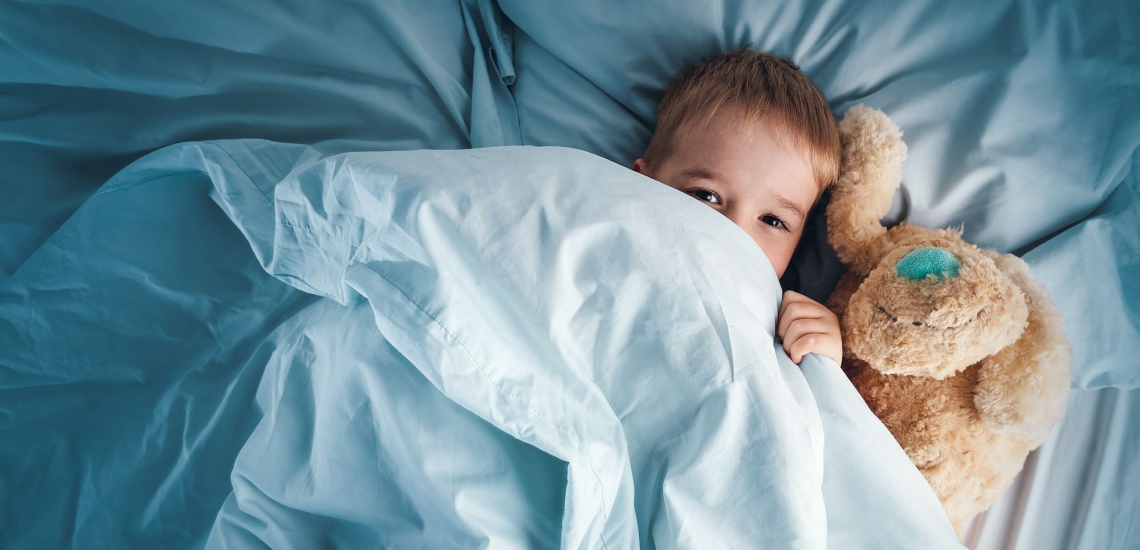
{"type": "Point", "coordinates": [1021, 119]}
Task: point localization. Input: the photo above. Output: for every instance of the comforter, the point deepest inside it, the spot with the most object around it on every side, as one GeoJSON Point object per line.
{"type": "Point", "coordinates": [507, 348]}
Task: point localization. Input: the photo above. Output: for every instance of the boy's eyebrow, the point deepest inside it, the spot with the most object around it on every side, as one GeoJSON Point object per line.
{"type": "Point", "coordinates": [795, 208]}
{"type": "Point", "coordinates": [702, 174]}
{"type": "Point", "coordinates": [706, 174]}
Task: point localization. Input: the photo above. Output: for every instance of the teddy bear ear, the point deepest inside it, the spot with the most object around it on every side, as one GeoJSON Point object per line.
{"type": "Point", "coordinates": [869, 172]}
{"type": "Point", "coordinates": [1022, 389]}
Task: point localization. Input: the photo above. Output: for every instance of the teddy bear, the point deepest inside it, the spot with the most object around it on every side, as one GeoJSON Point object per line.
{"type": "Point", "coordinates": [956, 348]}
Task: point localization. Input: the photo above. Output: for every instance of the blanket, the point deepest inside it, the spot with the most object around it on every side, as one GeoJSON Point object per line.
{"type": "Point", "coordinates": [510, 348]}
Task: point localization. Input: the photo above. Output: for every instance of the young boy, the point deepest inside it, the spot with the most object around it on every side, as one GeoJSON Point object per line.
{"type": "Point", "coordinates": [748, 134]}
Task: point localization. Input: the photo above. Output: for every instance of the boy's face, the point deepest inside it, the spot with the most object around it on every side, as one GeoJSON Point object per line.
{"type": "Point", "coordinates": [760, 184]}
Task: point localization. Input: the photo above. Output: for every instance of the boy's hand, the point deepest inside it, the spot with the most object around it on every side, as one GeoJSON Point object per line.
{"type": "Point", "coordinates": [805, 326]}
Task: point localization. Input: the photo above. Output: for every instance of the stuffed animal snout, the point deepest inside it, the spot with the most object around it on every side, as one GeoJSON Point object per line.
{"type": "Point", "coordinates": [933, 308]}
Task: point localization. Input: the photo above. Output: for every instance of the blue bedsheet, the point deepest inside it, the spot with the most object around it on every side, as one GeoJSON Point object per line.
{"type": "Point", "coordinates": [88, 87]}
{"type": "Point", "coordinates": [1021, 119]}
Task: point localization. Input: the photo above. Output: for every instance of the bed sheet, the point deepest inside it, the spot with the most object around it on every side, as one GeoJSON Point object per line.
{"type": "Point", "coordinates": [88, 87]}
{"type": "Point", "coordinates": [1078, 492]}
{"type": "Point", "coordinates": [1021, 116]}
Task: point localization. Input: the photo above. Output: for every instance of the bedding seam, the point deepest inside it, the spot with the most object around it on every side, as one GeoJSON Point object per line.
{"type": "Point", "coordinates": [322, 231]}
{"type": "Point", "coordinates": [248, 178]}
{"type": "Point", "coordinates": [149, 179]}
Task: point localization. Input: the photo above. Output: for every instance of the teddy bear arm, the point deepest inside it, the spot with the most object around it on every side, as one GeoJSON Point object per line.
{"type": "Point", "coordinates": [870, 171]}
{"type": "Point", "coordinates": [1022, 389]}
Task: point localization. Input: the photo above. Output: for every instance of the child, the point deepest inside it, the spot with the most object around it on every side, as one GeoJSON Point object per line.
{"type": "Point", "coordinates": [748, 134]}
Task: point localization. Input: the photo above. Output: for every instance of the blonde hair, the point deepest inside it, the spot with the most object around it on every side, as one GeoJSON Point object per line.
{"type": "Point", "coordinates": [767, 87]}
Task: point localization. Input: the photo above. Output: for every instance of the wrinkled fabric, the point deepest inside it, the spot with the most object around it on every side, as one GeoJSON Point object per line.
{"type": "Point", "coordinates": [450, 364]}
{"type": "Point", "coordinates": [1020, 119]}
{"type": "Point", "coordinates": [88, 87]}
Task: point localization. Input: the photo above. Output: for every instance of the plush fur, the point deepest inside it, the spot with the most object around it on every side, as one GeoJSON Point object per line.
{"type": "Point", "coordinates": [969, 372]}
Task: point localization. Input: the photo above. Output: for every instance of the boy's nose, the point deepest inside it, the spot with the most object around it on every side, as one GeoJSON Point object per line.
{"type": "Point", "coordinates": [740, 217]}
{"type": "Point", "coordinates": [928, 261]}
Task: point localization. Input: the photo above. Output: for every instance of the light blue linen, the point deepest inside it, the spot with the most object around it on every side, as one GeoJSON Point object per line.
{"type": "Point", "coordinates": [612, 337]}
{"type": "Point", "coordinates": [1079, 492]}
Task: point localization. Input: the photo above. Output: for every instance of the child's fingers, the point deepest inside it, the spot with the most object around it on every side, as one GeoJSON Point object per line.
{"type": "Point", "coordinates": [792, 311]}
{"type": "Point", "coordinates": [805, 344]}
{"type": "Point", "coordinates": [800, 327]}
{"type": "Point", "coordinates": [793, 297]}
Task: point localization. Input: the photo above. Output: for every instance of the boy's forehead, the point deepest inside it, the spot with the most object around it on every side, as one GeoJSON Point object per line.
{"type": "Point", "coordinates": [734, 121]}
{"type": "Point", "coordinates": [729, 133]}
{"type": "Point", "coordinates": [736, 153]}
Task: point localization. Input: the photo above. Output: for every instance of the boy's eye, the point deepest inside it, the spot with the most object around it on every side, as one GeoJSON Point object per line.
{"type": "Point", "coordinates": [705, 195]}
{"type": "Point", "coordinates": [774, 222]}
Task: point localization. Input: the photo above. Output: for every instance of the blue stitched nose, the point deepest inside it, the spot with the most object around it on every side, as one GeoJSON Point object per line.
{"type": "Point", "coordinates": [928, 261]}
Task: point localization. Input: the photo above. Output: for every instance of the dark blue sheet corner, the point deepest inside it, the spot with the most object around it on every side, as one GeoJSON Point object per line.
{"type": "Point", "coordinates": [88, 87]}
{"type": "Point", "coordinates": [146, 421]}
